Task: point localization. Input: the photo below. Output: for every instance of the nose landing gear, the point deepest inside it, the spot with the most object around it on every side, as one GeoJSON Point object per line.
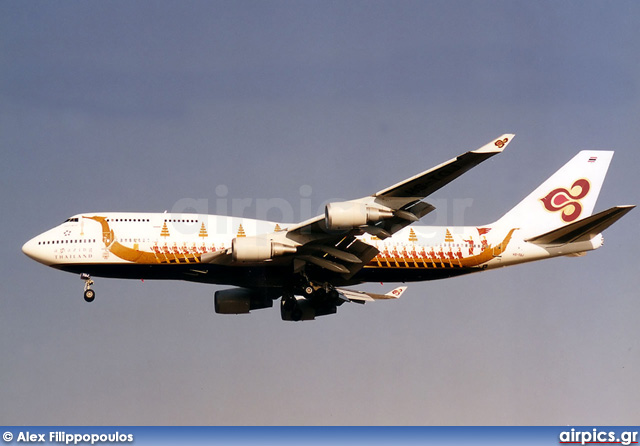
{"type": "Point", "coordinates": [89, 294]}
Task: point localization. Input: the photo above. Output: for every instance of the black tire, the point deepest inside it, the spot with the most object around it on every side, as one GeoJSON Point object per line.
{"type": "Point", "coordinates": [296, 314]}
{"type": "Point", "coordinates": [288, 303]}
{"type": "Point", "coordinates": [89, 295]}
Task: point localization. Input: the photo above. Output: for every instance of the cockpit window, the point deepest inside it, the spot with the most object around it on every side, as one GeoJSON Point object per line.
{"type": "Point", "coordinates": [71, 220]}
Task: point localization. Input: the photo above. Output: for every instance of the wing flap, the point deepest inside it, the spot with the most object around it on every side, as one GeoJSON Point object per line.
{"type": "Point", "coordinates": [334, 252]}
{"type": "Point", "coordinates": [388, 227]}
{"type": "Point", "coordinates": [349, 256]}
{"type": "Point", "coordinates": [324, 263]}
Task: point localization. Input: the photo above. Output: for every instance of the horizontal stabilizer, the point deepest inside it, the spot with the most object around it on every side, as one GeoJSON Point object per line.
{"type": "Point", "coordinates": [582, 230]}
{"type": "Point", "coordinates": [362, 297]}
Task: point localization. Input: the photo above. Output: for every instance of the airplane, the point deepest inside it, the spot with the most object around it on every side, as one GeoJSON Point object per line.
{"type": "Point", "coordinates": [371, 239]}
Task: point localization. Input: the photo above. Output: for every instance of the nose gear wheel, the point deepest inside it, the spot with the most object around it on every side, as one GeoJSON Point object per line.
{"type": "Point", "coordinates": [89, 293]}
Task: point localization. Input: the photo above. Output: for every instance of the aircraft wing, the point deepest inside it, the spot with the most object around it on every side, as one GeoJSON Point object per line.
{"type": "Point", "coordinates": [404, 198]}
{"type": "Point", "coordinates": [362, 296]}
{"type": "Point", "coordinates": [332, 246]}
{"type": "Point", "coordinates": [431, 180]}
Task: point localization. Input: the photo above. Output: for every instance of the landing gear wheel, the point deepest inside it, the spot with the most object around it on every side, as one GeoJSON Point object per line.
{"type": "Point", "coordinates": [288, 304]}
{"type": "Point", "coordinates": [89, 295]}
{"type": "Point", "coordinates": [296, 314]}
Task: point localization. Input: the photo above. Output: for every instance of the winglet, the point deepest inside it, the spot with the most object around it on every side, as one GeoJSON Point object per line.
{"type": "Point", "coordinates": [497, 145]}
{"type": "Point", "coordinates": [396, 292]}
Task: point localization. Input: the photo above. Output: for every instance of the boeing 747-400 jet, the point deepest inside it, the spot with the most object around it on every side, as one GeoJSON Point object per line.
{"type": "Point", "coordinates": [369, 239]}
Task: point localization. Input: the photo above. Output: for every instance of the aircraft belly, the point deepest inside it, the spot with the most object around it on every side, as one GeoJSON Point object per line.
{"type": "Point", "coordinates": [203, 273]}
{"type": "Point", "coordinates": [409, 274]}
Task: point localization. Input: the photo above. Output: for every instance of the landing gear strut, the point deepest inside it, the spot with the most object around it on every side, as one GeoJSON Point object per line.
{"type": "Point", "coordinates": [89, 294]}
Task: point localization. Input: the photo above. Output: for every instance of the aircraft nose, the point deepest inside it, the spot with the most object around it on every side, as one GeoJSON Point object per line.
{"type": "Point", "coordinates": [29, 248]}
{"type": "Point", "coordinates": [33, 250]}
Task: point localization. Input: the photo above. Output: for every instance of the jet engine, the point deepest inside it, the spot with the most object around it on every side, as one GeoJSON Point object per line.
{"type": "Point", "coordinates": [257, 249]}
{"type": "Point", "coordinates": [241, 301]}
{"type": "Point", "coordinates": [349, 214]}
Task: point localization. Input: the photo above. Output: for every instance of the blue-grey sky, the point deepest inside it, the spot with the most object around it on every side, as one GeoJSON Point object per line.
{"type": "Point", "coordinates": [123, 106]}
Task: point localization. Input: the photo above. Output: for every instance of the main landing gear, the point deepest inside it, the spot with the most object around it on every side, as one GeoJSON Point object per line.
{"type": "Point", "coordinates": [89, 294]}
{"type": "Point", "coordinates": [315, 300]}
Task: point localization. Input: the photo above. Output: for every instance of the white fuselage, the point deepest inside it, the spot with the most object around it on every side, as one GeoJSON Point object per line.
{"type": "Point", "coordinates": [163, 245]}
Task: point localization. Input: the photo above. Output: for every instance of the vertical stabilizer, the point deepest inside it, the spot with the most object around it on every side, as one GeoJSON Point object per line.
{"type": "Point", "coordinates": [567, 196]}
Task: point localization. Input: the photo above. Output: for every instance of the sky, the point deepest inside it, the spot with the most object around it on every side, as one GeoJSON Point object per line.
{"type": "Point", "coordinates": [170, 105]}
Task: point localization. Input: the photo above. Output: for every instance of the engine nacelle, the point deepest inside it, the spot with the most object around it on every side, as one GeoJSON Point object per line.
{"type": "Point", "coordinates": [240, 301]}
{"type": "Point", "coordinates": [349, 214]}
{"type": "Point", "coordinates": [257, 249]}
